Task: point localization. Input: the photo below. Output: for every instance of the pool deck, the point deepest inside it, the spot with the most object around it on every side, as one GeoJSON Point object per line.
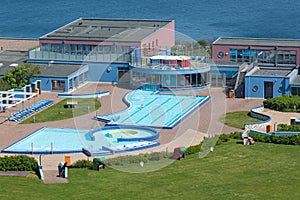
{"type": "Point", "coordinates": [200, 123]}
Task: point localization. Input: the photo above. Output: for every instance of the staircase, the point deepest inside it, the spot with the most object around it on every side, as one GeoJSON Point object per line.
{"type": "Point", "coordinates": [239, 84]}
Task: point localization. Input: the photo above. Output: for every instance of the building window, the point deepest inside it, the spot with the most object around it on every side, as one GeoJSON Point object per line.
{"type": "Point", "coordinates": [255, 88]}
{"type": "Point", "coordinates": [233, 55]}
{"type": "Point", "coordinates": [220, 54]}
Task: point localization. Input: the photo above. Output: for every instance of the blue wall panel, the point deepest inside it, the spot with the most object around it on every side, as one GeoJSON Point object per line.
{"type": "Point", "coordinates": [251, 81]}
{"type": "Point", "coordinates": [104, 72]}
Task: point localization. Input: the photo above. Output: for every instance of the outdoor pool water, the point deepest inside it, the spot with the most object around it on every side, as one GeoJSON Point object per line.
{"type": "Point", "coordinates": [106, 140]}
{"type": "Point", "coordinates": [149, 108]}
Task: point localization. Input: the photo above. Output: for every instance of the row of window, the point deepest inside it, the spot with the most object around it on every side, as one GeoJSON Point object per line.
{"type": "Point", "coordinates": [86, 49]}
{"type": "Point", "coordinates": [184, 80]}
{"type": "Point", "coordinates": [262, 56]}
{"type": "Point", "coordinates": [78, 80]}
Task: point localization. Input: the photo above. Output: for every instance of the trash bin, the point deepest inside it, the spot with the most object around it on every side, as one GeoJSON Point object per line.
{"type": "Point", "coordinates": [98, 163]}
{"type": "Point", "coordinates": [68, 160]}
{"type": "Point", "coordinates": [179, 153]}
{"type": "Point", "coordinates": [231, 93]}
{"type": "Point", "coordinates": [37, 91]}
{"type": "Point", "coordinates": [269, 128]}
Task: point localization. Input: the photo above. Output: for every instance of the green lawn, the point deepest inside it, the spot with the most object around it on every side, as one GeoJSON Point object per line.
{"type": "Point", "coordinates": [238, 119]}
{"type": "Point", "coordinates": [231, 171]}
{"type": "Point", "coordinates": [59, 112]}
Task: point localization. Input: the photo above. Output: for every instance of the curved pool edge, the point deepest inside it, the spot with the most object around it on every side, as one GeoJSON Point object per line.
{"type": "Point", "coordinates": [138, 143]}
{"type": "Point", "coordinates": [175, 122]}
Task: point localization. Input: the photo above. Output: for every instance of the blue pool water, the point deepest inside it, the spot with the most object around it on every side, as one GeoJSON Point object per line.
{"type": "Point", "coordinates": [149, 108]}
{"type": "Point", "coordinates": [100, 141]}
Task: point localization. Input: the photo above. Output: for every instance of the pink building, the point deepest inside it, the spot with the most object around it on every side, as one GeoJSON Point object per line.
{"type": "Point", "coordinates": [267, 51]}
{"type": "Point", "coordinates": [112, 37]}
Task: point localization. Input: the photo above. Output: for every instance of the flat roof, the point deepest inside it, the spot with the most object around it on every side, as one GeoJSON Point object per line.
{"type": "Point", "coordinates": [267, 71]}
{"type": "Point", "coordinates": [58, 70]}
{"type": "Point", "coordinates": [9, 59]}
{"type": "Point", "coordinates": [107, 29]}
{"type": "Point", "coordinates": [257, 42]}
{"type": "Point", "coordinates": [296, 80]}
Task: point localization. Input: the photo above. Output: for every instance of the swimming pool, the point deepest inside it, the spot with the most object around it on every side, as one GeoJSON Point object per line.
{"type": "Point", "coordinates": [149, 108]}
{"type": "Point", "coordinates": [102, 141]}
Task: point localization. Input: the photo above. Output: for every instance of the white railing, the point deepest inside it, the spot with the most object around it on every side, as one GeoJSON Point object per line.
{"type": "Point", "coordinates": [36, 53]}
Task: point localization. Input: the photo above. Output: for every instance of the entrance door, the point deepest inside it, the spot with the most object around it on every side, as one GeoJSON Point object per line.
{"type": "Point", "coordinates": [123, 77]}
{"type": "Point", "coordinates": [268, 90]}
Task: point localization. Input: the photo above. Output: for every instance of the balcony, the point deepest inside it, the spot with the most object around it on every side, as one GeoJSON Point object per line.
{"type": "Point", "coordinates": [37, 54]}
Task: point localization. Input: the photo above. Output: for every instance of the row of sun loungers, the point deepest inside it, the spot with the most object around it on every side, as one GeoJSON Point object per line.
{"type": "Point", "coordinates": [30, 110]}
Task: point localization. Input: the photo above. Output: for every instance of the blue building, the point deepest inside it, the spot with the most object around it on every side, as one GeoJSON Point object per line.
{"type": "Point", "coordinates": [269, 82]}
{"type": "Point", "coordinates": [60, 77]}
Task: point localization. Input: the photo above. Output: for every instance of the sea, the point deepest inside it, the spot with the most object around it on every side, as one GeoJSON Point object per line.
{"type": "Point", "coordinates": [197, 19]}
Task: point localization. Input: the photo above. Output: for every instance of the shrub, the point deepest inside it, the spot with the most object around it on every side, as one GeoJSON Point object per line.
{"type": "Point", "coordinates": [82, 164]}
{"type": "Point", "coordinates": [282, 139]}
{"type": "Point", "coordinates": [236, 135]}
{"type": "Point", "coordinates": [18, 163]}
{"type": "Point", "coordinates": [223, 138]}
{"type": "Point", "coordinates": [290, 128]}
{"type": "Point", "coordinates": [146, 157]}
{"type": "Point", "coordinates": [193, 149]}
{"type": "Point", "coordinates": [283, 103]}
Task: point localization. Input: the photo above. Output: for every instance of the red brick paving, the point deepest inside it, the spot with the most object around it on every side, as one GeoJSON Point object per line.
{"type": "Point", "coordinates": [206, 119]}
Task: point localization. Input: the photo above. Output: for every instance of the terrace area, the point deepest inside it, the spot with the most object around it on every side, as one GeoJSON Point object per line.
{"type": "Point", "coordinates": [93, 56]}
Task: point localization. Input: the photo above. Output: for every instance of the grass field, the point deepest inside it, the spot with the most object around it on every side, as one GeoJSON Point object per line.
{"type": "Point", "coordinates": [238, 119]}
{"type": "Point", "coordinates": [59, 112]}
{"type": "Point", "coordinates": [231, 171]}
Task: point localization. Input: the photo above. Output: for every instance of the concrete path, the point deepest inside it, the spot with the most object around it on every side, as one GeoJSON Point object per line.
{"type": "Point", "coordinates": [204, 121]}
{"type": "Point", "coordinates": [50, 177]}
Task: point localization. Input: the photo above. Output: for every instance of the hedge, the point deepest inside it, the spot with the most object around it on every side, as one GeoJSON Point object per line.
{"type": "Point", "coordinates": [82, 164]}
{"type": "Point", "coordinates": [288, 128]}
{"type": "Point", "coordinates": [123, 160]}
{"type": "Point", "coordinates": [18, 163]}
{"type": "Point", "coordinates": [282, 139]}
{"type": "Point", "coordinates": [283, 103]}
{"type": "Point", "coordinates": [193, 149]}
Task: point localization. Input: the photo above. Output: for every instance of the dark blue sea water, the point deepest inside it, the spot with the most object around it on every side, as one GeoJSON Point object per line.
{"type": "Point", "coordinates": [199, 19]}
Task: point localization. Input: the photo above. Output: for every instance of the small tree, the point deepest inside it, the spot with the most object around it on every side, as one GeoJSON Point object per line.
{"type": "Point", "coordinates": [4, 85]}
{"type": "Point", "coordinates": [202, 43]}
{"type": "Point", "coordinates": [20, 76]}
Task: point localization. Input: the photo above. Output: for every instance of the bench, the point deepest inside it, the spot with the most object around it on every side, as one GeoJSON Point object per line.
{"type": "Point", "coordinates": [71, 104]}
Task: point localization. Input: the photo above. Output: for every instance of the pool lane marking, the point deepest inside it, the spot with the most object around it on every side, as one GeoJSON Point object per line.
{"type": "Point", "coordinates": [185, 111]}
{"type": "Point", "coordinates": [138, 110]}
{"type": "Point", "coordinates": [166, 101]}
{"type": "Point", "coordinates": [178, 102]}
{"type": "Point", "coordinates": [194, 107]}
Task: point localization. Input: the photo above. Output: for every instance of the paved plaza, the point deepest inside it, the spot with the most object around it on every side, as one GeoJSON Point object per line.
{"type": "Point", "coordinates": [203, 122]}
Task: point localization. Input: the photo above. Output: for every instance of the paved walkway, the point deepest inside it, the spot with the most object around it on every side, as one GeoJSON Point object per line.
{"type": "Point", "coordinates": [204, 121]}
{"type": "Point", "coordinates": [51, 177]}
